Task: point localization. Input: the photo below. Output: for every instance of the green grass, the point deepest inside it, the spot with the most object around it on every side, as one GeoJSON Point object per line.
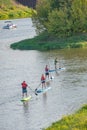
{"type": "Point", "coordinates": [5, 2]}
{"type": "Point", "coordinates": [9, 9]}
{"type": "Point", "coordinates": [47, 42]}
{"type": "Point", "coordinates": [77, 121]}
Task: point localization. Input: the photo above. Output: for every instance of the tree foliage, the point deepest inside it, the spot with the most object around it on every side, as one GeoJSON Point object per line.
{"type": "Point", "coordinates": [61, 17]}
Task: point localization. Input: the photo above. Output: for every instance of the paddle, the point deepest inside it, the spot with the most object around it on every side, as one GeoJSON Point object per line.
{"type": "Point", "coordinates": [37, 87]}
{"type": "Point", "coordinates": [50, 76]}
{"type": "Point", "coordinates": [33, 91]}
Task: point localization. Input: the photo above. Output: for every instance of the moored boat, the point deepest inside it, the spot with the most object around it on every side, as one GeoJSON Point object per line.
{"type": "Point", "coordinates": [9, 25]}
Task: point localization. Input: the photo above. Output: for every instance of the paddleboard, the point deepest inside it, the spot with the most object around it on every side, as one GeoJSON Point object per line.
{"type": "Point", "coordinates": [43, 90]}
{"type": "Point", "coordinates": [26, 98]}
{"type": "Point", "coordinates": [59, 69]}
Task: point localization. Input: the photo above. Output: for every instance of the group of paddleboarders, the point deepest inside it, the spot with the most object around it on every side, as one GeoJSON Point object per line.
{"type": "Point", "coordinates": [43, 79]}
{"type": "Point", "coordinates": [43, 82]}
{"type": "Point", "coordinates": [45, 76]}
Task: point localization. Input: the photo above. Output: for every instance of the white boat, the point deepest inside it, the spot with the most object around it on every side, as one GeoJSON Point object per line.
{"type": "Point", "coordinates": [9, 25]}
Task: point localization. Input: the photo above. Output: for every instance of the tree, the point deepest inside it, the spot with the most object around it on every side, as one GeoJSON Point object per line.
{"type": "Point", "coordinates": [41, 17]}
{"type": "Point", "coordinates": [61, 17]}
{"type": "Point", "coordinates": [58, 24]}
{"type": "Point", "coordinates": [79, 16]}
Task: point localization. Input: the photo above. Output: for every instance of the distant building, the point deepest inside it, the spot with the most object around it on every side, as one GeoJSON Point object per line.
{"type": "Point", "coordinates": [29, 3]}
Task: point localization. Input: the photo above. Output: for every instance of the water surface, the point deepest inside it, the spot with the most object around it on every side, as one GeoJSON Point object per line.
{"type": "Point", "coordinates": [69, 87]}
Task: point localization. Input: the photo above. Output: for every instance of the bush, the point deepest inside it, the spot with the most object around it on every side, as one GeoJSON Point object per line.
{"type": "Point", "coordinates": [3, 16]}
{"type": "Point", "coordinates": [11, 11]}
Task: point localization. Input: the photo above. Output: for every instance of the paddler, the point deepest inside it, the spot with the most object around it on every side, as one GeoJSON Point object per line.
{"type": "Point", "coordinates": [47, 71]}
{"type": "Point", "coordinates": [55, 63]}
{"type": "Point", "coordinates": [43, 81]}
{"type": "Point", "coordinates": [24, 88]}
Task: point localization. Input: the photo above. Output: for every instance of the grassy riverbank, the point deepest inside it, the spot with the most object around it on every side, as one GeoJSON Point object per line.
{"type": "Point", "coordinates": [46, 42]}
{"type": "Point", "coordinates": [10, 9]}
{"type": "Point", "coordinates": [77, 121]}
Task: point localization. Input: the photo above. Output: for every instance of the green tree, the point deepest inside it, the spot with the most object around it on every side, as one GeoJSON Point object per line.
{"type": "Point", "coordinates": [79, 16]}
{"type": "Point", "coordinates": [61, 17]}
{"type": "Point", "coordinates": [40, 18]}
{"type": "Point", "coordinates": [58, 24]}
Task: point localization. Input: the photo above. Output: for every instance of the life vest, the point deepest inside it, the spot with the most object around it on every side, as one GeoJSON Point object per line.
{"type": "Point", "coordinates": [24, 85]}
{"type": "Point", "coordinates": [46, 69]}
{"type": "Point", "coordinates": [42, 78]}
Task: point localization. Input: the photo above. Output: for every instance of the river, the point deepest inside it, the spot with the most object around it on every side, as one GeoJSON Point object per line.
{"type": "Point", "coordinates": [69, 87]}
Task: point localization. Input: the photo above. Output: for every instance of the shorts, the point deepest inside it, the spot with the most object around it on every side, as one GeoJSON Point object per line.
{"type": "Point", "coordinates": [24, 90]}
{"type": "Point", "coordinates": [43, 81]}
{"type": "Point", "coordinates": [47, 73]}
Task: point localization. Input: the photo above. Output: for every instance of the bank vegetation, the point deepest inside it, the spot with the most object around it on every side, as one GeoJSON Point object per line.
{"type": "Point", "coordinates": [77, 121]}
{"type": "Point", "coordinates": [10, 9]}
{"type": "Point", "coordinates": [59, 24]}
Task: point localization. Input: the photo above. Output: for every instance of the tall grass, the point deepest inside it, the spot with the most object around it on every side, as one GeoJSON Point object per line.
{"type": "Point", "coordinates": [11, 10]}
{"type": "Point", "coordinates": [77, 121]}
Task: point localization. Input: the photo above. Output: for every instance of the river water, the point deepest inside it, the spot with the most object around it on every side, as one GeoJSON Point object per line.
{"type": "Point", "coordinates": [69, 87]}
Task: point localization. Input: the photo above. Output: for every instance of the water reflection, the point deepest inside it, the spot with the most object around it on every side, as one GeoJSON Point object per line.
{"type": "Point", "coordinates": [44, 98]}
{"type": "Point", "coordinates": [26, 107]}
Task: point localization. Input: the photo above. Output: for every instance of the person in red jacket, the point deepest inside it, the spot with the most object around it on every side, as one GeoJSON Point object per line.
{"type": "Point", "coordinates": [24, 88]}
{"type": "Point", "coordinates": [43, 80]}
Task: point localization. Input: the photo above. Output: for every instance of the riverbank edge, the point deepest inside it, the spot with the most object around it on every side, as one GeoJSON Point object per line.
{"type": "Point", "coordinates": [76, 121]}
{"type": "Point", "coordinates": [44, 42]}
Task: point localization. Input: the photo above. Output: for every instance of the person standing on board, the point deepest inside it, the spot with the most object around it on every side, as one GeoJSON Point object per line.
{"type": "Point", "coordinates": [47, 71]}
{"type": "Point", "coordinates": [55, 63]}
{"type": "Point", "coordinates": [43, 80]}
{"type": "Point", "coordinates": [24, 88]}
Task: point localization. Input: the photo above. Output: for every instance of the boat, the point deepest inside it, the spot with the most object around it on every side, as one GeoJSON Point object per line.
{"type": "Point", "coordinates": [9, 25]}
